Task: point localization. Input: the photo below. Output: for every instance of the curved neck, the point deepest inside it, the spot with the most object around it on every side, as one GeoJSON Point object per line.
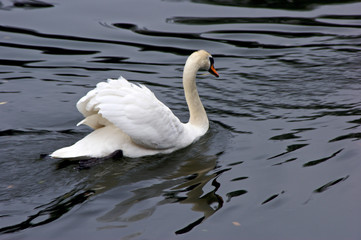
{"type": "Point", "coordinates": [197, 114]}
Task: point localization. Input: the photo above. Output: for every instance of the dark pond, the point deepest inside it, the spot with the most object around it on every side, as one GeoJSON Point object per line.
{"type": "Point", "coordinates": [282, 159]}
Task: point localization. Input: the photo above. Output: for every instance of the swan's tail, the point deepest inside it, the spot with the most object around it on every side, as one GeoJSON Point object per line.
{"type": "Point", "coordinates": [99, 143]}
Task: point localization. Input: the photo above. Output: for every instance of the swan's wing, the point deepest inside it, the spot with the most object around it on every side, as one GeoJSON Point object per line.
{"type": "Point", "coordinates": [135, 110]}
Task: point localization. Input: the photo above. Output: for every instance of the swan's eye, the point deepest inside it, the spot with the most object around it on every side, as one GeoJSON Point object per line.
{"type": "Point", "coordinates": [211, 60]}
{"type": "Point", "coordinates": [212, 70]}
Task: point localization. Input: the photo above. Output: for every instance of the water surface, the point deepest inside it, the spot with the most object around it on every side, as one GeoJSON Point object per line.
{"type": "Point", "coordinates": [281, 159]}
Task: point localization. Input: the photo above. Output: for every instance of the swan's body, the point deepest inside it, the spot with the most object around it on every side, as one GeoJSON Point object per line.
{"type": "Point", "coordinates": [128, 117]}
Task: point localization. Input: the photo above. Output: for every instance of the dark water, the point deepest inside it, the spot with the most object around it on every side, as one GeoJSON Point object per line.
{"type": "Point", "coordinates": [282, 159]}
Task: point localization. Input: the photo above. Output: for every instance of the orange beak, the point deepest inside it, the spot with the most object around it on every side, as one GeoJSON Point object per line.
{"type": "Point", "coordinates": [213, 71]}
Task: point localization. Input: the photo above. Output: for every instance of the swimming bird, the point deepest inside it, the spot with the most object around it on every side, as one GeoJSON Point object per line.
{"type": "Point", "coordinates": [128, 117]}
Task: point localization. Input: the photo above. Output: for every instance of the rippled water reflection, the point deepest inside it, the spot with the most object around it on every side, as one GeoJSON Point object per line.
{"type": "Point", "coordinates": [282, 157]}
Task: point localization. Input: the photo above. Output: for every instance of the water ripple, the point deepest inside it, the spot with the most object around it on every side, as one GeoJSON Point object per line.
{"type": "Point", "coordinates": [286, 108]}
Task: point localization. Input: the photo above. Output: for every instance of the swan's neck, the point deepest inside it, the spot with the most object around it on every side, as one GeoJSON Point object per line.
{"type": "Point", "coordinates": [197, 114]}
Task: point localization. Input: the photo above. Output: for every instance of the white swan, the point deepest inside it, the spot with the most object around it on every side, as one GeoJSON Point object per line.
{"type": "Point", "coordinates": [128, 117]}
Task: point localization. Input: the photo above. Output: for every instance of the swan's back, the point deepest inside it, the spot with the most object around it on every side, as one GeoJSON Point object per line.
{"type": "Point", "coordinates": [135, 110]}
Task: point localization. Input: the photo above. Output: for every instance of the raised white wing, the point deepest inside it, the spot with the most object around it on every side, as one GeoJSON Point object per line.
{"type": "Point", "coordinates": [135, 110]}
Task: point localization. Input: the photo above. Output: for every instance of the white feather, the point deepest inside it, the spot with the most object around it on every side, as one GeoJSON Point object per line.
{"type": "Point", "coordinates": [135, 110]}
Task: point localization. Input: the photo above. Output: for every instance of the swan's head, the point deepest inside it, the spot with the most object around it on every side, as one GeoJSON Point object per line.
{"type": "Point", "coordinates": [204, 60]}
